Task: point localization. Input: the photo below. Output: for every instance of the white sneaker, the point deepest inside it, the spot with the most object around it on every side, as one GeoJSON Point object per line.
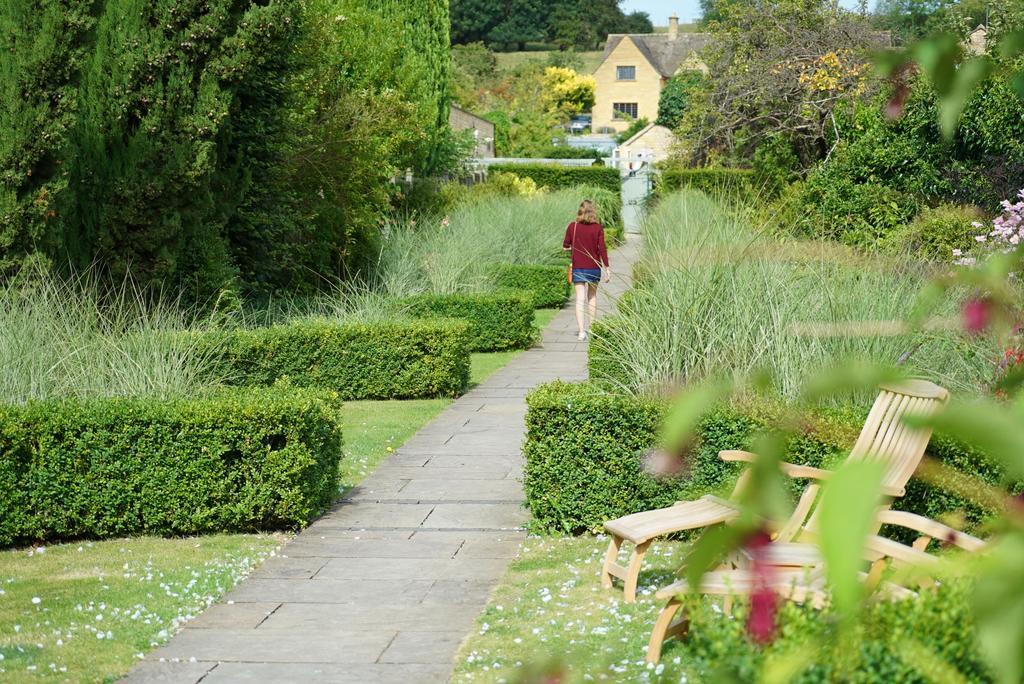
{"type": "Point", "coordinates": [582, 337]}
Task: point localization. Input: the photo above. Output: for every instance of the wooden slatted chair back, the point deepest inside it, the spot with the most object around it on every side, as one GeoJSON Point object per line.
{"type": "Point", "coordinates": [885, 438]}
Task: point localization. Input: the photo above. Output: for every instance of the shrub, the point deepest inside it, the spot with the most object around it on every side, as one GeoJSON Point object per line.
{"type": "Point", "coordinates": [633, 128]}
{"type": "Point", "coordinates": [942, 618]}
{"type": "Point", "coordinates": [583, 467]}
{"type": "Point", "coordinates": [358, 360]}
{"type": "Point", "coordinates": [547, 284]}
{"type": "Point", "coordinates": [497, 321]}
{"type": "Point", "coordinates": [936, 232]}
{"type": "Point", "coordinates": [558, 177]}
{"type": "Point", "coordinates": [237, 461]}
{"type": "Point", "coordinates": [835, 207]}
{"type": "Point", "coordinates": [775, 164]}
{"type": "Point", "coordinates": [714, 181]}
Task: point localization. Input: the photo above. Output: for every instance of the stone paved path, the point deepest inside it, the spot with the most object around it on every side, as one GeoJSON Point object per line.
{"type": "Point", "coordinates": [385, 586]}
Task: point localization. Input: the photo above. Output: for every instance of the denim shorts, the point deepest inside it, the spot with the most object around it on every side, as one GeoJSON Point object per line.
{"type": "Point", "coordinates": [586, 275]}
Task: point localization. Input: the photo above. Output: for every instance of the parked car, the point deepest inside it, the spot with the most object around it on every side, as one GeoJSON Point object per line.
{"type": "Point", "coordinates": [580, 123]}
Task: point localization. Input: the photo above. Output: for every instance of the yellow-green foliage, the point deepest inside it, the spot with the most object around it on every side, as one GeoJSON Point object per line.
{"type": "Point", "coordinates": [567, 92]}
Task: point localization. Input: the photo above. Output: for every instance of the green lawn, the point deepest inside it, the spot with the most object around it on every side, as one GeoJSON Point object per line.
{"type": "Point", "coordinates": [550, 610]}
{"type": "Point", "coordinates": [83, 612]}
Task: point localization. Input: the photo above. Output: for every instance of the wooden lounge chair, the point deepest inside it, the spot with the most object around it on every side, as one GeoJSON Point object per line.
{"type": "Point", "coordinates": [798, 572]}
{"type": "Point", "coordinates": [884, 437]}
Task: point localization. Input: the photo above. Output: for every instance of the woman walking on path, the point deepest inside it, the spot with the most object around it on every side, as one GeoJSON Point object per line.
{"type": "Point", "coordinates": [585, 238]}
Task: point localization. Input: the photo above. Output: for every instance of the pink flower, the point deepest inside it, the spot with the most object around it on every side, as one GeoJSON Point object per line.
{"type": "Point", "coordinates": [764, 604]}
{"type": "Point", "coordinates": [977, 315]}
{"type": "Point", "coordinates": [764, 608]}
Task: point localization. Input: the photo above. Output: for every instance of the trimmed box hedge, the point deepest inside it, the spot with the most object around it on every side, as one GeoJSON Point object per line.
{"type": "Point", "coordinates": [498, 321]}
{"type": "Point", "coordinates": [400, 359]}
{"type": "Point", "coordinates": [237, 461]}
{"type": "Point", "coordinates": [547, 285]}
{"type": "Point", "coordinates": [583, 467]}
{"type": "Point", "coordinates": [711, 181]}
{"type": "Point", "coordinates": [557, 177]}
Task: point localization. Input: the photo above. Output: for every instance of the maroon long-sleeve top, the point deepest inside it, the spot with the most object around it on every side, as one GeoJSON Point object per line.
{"type": "Point", "coordinates": [589, 250]}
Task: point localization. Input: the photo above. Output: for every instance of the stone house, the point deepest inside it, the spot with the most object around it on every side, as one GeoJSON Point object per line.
{"type": "Point", "coordinates": [483, 130]}
{"type": "Point", "coordinates": [634, 70]}
{"type": "Point", "coordinates": [649, 146]}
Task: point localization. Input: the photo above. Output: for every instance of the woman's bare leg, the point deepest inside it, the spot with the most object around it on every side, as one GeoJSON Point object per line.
{"type": "Point", "coordinates": [592, 302]}
{"type": "Point", "coordinates": [581, 305]}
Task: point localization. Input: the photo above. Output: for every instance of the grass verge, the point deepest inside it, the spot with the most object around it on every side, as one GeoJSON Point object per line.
{"type": "Point", "coordinates": [84, 612]}
{"type": "Point", "coordinates": [551, 611]}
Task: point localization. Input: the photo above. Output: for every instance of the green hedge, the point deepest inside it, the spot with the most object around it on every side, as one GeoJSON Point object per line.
{"type": "Point", "coordinates": [558, 177]}
{"type": "Point", "coordinates": [498, 321]}
{"type": "Point", "coordinates": [547, 285]}
{"type": "Point", "coordinates": [238, 461]}
{"type": "Point", "coordinates": [401, 359]}
{"type": "Point", "coordinates": [711, 181]}
{"type": "Point", "coordinates": [583, 442]}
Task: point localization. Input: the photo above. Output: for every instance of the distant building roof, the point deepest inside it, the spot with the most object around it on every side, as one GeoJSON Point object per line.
{"type": "Point", "coordinates": [665, 53]}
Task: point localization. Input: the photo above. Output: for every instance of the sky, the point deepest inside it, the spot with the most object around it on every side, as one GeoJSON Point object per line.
{"type": "Point", "coordinates": [688, 10]}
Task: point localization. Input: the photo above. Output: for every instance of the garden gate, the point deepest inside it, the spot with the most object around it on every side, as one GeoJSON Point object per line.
{"type": "Point", "coordinates": [636, 187]}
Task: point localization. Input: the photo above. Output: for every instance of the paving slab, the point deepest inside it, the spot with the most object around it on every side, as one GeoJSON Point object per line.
{"type": "Point", "coordinates": [423, 647]}
{"type": "Point", "coordinates": [385, 586]}
{"type": "Point", "coordinates": [324, 673]}
{"type": "Point", "coordinates": [240, 646]}
{"type": "Point", "coordinates": [471, 516]}
{"type": "Point", "coordinates": [330, 591]}
{"type": "Point", "coordinates": [402, 616]}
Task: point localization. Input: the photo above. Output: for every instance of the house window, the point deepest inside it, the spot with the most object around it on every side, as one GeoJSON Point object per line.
{"type": "Point", "coordinates": [625, 73]}
{"type": "Point", "coordinates": [625, 110]}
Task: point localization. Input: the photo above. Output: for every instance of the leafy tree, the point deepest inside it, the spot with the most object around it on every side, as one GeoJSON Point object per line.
{"type": "Point", "coordinates": [580, 24]}
{"type": "Point", "coordinates": [909, 19]}
{"type": "Point", "coordinates": [675, 97]}
{"type": "Point", "coordinates": [639, 22]}
{"type": "Point", "coordinates": [567, 92]}
{"type": "Point", "coordinates": [778, 67]}
{"type": "Point", "coordinates": [473, 20]}
{"type": "Point", "coordinates": [521, 21]}
{"type": "Point", "coordinates": [42, 46]}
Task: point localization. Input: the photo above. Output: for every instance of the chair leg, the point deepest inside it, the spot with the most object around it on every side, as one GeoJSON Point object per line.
{"type": "Point", "coordinates": [665, 628]}
{"type": "Point", "coordinates": [633, 573]}
{"type": "Point", "coordinates": [611, 558]}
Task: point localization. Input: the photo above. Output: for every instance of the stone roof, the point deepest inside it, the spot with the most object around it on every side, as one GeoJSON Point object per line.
{"type": "Point", "coordinates": [664, 54]}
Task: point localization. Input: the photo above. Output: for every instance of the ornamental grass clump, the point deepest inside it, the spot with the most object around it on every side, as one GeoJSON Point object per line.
{"type": "Point", "coordinates": [62, 338]}
{"type": "Point", "coordinates": [457, 253]}
{"type": "Point", "coordinates": [717, 296]}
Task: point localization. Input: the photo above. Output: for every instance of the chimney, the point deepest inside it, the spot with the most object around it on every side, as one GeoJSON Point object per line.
{"type": "Point", "coordinates": [673, 27]}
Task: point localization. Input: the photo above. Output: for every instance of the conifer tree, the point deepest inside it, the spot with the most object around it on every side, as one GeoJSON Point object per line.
{"type": "Point", "coordinates": [166, 145]}
{"type": "Point", "coordinates": [42, 45]}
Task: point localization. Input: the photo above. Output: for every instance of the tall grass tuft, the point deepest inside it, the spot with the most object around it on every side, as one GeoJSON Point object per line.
{"type": "Point", "coordinates": [716, 296]}
{"type": "Point", "coordinates": [456, 253]}
{"type": "Point", "coordinates": [67, 339]}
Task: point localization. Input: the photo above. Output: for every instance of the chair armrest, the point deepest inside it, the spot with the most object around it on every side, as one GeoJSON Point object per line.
{"type": "Point", "coordinates": [737, 456]}
{"type": "Point", "coordinates": [931, 530]}
{"type": "Point", "coordinates": [878, 548]}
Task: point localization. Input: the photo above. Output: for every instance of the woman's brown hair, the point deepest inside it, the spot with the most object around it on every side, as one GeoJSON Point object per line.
{"type": "Point", "coordinates": [587, 213]}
